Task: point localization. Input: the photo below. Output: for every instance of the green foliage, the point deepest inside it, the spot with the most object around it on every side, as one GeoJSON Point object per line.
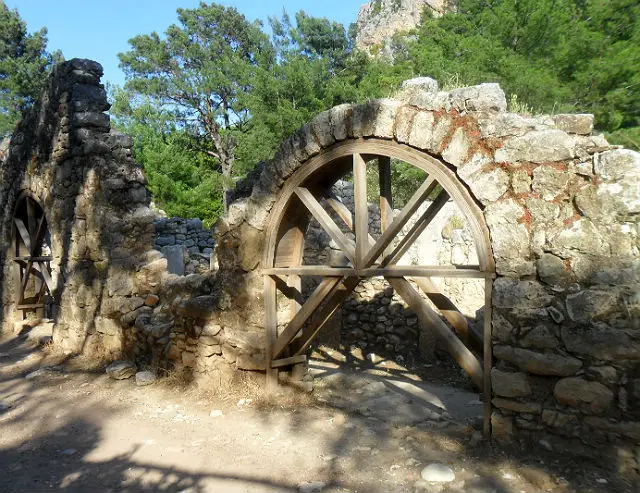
{"type": "Point", "coordinates": [24, 66]}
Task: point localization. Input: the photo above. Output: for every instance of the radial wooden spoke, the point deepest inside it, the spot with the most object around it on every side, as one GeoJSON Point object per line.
{"type": "Point", "coordinates": [321, 292]}
{"type": "Point", "coordinates": [24, 233]}
{"type": "Point", "coordinates": [344, 213]}
{"type": "Point", "coordinates": [31, 217]}
{"type": "Point", "coordinates": [426, 271]}
{"type": "Point", "coordinates": [39, 236]}
{"type": "Point", "coordinates": [416, 230]}
{"type": "Point", "coordinates": [25, 280]}
{"type": "Point", "coordinates": [453, 345]}
{"type": "Point", "coordinates": [318, 212]}
{"type": "Point", "coordinates": [323, 315]}
{"type": "Point", "coordinates": [386, 197]}
{"type": "Point", "coordinates": [311, 270]}
{"type": "Point", "coordinates": [400, 220]}
{"type": "Point", "coordinates": [291, 292]}
{"type": "Point", "coordinates": [362, 209]}
{"type": "Point", "coordinates": [271, 326]}
{"type": "Point", "coordinates": [449, 311]}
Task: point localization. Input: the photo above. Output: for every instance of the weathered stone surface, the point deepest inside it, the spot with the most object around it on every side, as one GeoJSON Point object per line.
{"type": "Point", "coordinates": [602, 342]}
{"type": "Point", "coordinates": [489, 186]}
{"type": "Point", "coordinates": [501, 428]}
{"type": "Point", "coordinates": [541, 337]}
{"type": "Point", "coordinates": [508, 384]}
{"type": "Point", "coordinates": [321, 127]}
{"type": "Point", "coordinates": [538, 363]}
{"type": "Point", "coordinates": [628, 429]}
{"type": "Point", "coordinates": [457, 150]}
{"type": "Point", "coordinates": [426, 84]}
{"type": "Point", "coordinates": [341, 120]}
{"type": "Point", "coordinates": [511, 293]}
{"type": "Point", "coordinates": [592, 304]}
{"type": "Point", "coordinates": [483, 97]}
{"type": "Point", "coordinates": [574, 123]}
{"type": "Point", "coordinates": [250, 247]}
{"type": "Point", "coordinates": [552, 270]}
{"type": "Point", "coordinates": [241, 338]}
{"type": "Point", "coordinates": [422, 130]}
{"type": "Point", "coordinates": [537, 147]}
{"type": "Point", "coordinates": [383, 126]}
{"type": "Point", "coordinates": [582, 237]}
{"type": "Point", "coordinates": [254, 361]}
{"type": "Point", "coordinates": [404, 122]}
{"type": "Point", "coordinates": [578, 392]}
{"type": "Point", "coordinates": [144, 378]}
{"type": "Point", "coordinates": [510, 238]}
{"type": "Point", "coordinates": [121, 370]}
{"type": "Point", "coordinates": [557, 419]}
{"type": "Point", "coordinates": [517, 406]}
{"type": "Point", "coordinates": [549, 182]}
{"type": "Point", "coordinates": [437, 473]}
{"type": "Point", "coordinates": [201, 307]}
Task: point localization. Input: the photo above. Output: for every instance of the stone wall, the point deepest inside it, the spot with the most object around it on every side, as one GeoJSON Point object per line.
{"type": "Point", "coordinates": [180, 231]}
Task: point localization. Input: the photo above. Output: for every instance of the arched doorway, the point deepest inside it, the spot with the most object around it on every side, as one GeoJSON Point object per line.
{"type": "Point", "coordinates": [31, 253]}
{"type": "Point", "coordinates": [307, 195]}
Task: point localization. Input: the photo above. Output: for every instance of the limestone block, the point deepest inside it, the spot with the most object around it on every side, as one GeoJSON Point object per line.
{"type": "Point", "coordinates": [557, 419]}
{"type": "Point", "coordinates": [200, 307]}
{"type": "Point", "coordinates": [541, 337]}
{"type": "Point", "coordinates": [517, 406]}
{"type": "Point", "coordinates": [321, 127]}
{"type": "Point", "coordinates": [502, 329]}
{"type": "Point", "coordinates": [285, 160]}
{"type": "Point", "coordinates": [488, 186]}
{"type": "Point", "coordinates": [509, 125]}
{"type": "Point", "coordinates": [341, 120]}
{"type": "Point", "coordinates": [582, 236]}
{"type": "Point", "coordinates": [421, 130]}
{"type": "Point", "coordinates": [211, 328]}
{"type": "Point", "coordinates": [426, 84]}
{"type": "Point", "coordinates": [250, 248]}
{"type": "Point", "coordinates": [538, 363]}
{"type": "Point", "coordinates": [552, 270]}
{"type": "Point", "coordinates": [121, 370]}
{"type": "Point", "coordinates": [149, 276]}
{"type": "Point", "coordinates": [578, 392]}
{"type": "Point", "coordinates": [457, 150]}
{"type": "Point", "coordinates": [483, 97]}
{"type": "Point", "coordinates": [512, 293]}
{"type": "Point", "coordinates": [91, 119]}
{"type": "Point", "coordinates": [549, 182]}
{"type": "Point", "coordinates": [618, 164]}
{"type": "Point", "coordinates": [441, 129]}
{"type": "Point", "coordinates": [508, 384]}
{"type": "Point", "coordinates": [602, 342]}
{"type": "Point", "coordinates": [175, 255]}
{"type": "Point", "coordinates": [581, 124]}
{"type": "Point", "coordinates": [304, 144]}
{"type": "Point", "coordinates": [244, 339]}
{"type": "Point", "coordinates": [108, 326]}
{"type": "Point", "coordinates": [602, 203]}
{"type": "Point", "coordinates": [628, 429]}
{"type": "Point", "coordinates": [432, 101]}
{"type": "Point", "coordinates": [501, 428]}
{"type": "Point", "coordinates": [510, 238]}
{"type": "Point", "coordinates": [119, 282]}
{"type": "Point", "coordinates": [592, 304]}
{"type": "Point", "coordinates": [259, 209]}
{"type": "Point", "coordinates": [210, 350]}
{"type": "Point", "coordinates": [538, 146]}
{"type": "Point", "coordinates": [385, 118]}
{"type": "Point", "coordinates": [404, 121]}
{"type": "Point", "coordinates": [188, 359]}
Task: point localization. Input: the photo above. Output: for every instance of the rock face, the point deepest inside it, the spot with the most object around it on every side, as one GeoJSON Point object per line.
{"type": "Point", "coordinates": [379, 20]}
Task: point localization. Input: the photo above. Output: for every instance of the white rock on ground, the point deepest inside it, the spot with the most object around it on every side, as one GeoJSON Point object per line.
{"type": "Point", "coordinates": [311, 487]}
{"type": "Point", "coordinates": [145, 378]}
{"type": "Point", "coordinates": [437, 473]}
{"type": "Point", "coordinates": [121, 370]}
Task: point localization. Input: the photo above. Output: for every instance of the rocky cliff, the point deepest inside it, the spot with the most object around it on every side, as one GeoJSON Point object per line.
{"type": "Point", "coordinates": [379, 20]}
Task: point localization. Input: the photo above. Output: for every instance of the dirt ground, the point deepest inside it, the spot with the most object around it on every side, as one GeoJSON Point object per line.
{"type": "Point", "coordinates": [65, 428]}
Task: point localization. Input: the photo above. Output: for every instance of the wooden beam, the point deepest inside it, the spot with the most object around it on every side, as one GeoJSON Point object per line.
{"type": "Point", "coordinates": [24, 234]}
{"type": "Point", "coordinates": [362, 209]}
{"type": "Point", "coordinates": [416, 230]}
{"type": "Point", "coordinates": [293, 360]}
{"type": "Point", "coordinates": [271, 325]}
{"type": "Point", "coordinates": [386, 194]}
{"type": "Point", "coordinates": [322, 291]}
{"type": "Point", "coordinates": [465, 272]}
{"type": "Point", "coordinates": [488, 357]}
{"type": "Point", "coordinates": [318, 212]}
{"type": "Point", "coordinates": [453, 345]}
{"type": "Point", "coordinates": [290, 292]}
{"type": "Point", "coordinates": [344, 213]}
{"type": "Point", "coordinates": [400, 220]}
{"type": "Point", "coordinates": [324, 314]}
{"type": "Point", "coordinates": [449, 311]}
{"type": "Point", "coordinates": [311, 270]}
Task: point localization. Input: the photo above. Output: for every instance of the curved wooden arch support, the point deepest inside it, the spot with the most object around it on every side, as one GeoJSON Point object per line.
{"type": "Point", "coordinates": [299, 199]}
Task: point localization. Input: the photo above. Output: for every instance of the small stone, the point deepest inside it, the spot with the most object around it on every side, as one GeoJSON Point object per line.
{"type": "Point", "coordinates": [311, 486]}
{"type": "Point", "coordinates": [216, 413]}
{"type": "Point", "coordinates": [438, 473]}
{"type": "Point", "coordinates": [121, 370]}
{"type": "Point", "coordinates": [4, 407]}
{"type": "Point", "coordinates": [151, 300]}
{"type": "Point", "coordinates": [69, 451]}
{"type": "Point", "coordinates": [145, 378]}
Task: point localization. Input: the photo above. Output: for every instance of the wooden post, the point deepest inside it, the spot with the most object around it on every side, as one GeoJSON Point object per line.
{"type": "Point", "coordinates": [362, 209]}
{"type": "Point", "coordinates": [488, 357]}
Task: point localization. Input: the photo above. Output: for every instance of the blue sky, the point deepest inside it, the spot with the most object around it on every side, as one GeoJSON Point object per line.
{"type": "Point", "coordinates": [100, 29]}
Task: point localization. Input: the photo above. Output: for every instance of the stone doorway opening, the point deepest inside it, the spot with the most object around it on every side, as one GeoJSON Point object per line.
{"type": "Point", "coordinates": [351, 262]}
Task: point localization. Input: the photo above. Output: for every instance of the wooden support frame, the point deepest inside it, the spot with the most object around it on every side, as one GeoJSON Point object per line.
{"type": "Point", "coordinates": [363, 254]}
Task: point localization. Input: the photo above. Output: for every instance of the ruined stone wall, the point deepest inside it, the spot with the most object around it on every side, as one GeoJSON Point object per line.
{"type": "Point", "coordinates": [562, 209]}
{"type": "Point", "coordinates": [190, 233]}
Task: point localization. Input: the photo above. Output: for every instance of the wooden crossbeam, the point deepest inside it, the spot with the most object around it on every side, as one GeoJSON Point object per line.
{"type": "Point", "coordinates": [24, 234]}
{"type": "Point", "coordinates": [318, 212]}
{"type": "Point", "coordinates": [322, 291]}
{"type": "Point", "coordinates": [400, 220]}
{"type": "Point", "coordinates": [362, 209]}
{"type": "Point", "coordinates": [466, 272]}
{"type": "Point", "coordinates": [416, 230]}
{"type": "Point", "coordinates": [453, 345]}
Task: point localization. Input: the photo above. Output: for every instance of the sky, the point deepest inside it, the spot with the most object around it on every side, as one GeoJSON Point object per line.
{"type": "Point", "coordinates": [100, 29]}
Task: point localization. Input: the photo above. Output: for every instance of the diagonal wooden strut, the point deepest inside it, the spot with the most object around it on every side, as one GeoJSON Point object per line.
{"type": "Point", "coordinates": [324, 289]}
{"type": "Point", "coordinates": [318, 212]}
{"type": "Point", "coordinates": [453, 345]}
{"type": "Point", "coordinates": [400, 220]}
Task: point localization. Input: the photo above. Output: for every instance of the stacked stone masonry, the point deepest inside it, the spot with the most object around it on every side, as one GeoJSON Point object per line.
{"type": "Point", "coordinates": [561, 205]}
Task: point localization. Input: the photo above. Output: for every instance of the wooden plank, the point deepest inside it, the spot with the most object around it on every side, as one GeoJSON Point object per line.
{"type": "Point", "coordinates": [467, 272]}
{"type": "Point", "coordinates": [344, 213]}
{"type": "Point", "coordinates": [39, 236]}
{"type": "Point", "coordinates": [271, 326]}
{"type": "Point", "coordinates": [31, 219]}
{"type": "Point", "coordinates": [416, 230]}
{"type": "Point", "coordinates": [311, 270]}
{"type": "Point", "coordinates": [46, 276]}
{"type": "Point", "coordinates": [318, 212]}
{"type": "Point", "coordinates": [32, 306]}
{"type": "Point", "coordinates": [29, 257]}
{"type": "Point", "coordinates": [362, 209]}
{"type": "Point", "coordinates": [386, 194]}
{"type": "Point", "coordinates": [290, 292]}
{"type": "Point", "coordinates": [24, 234]}
{"type": "Point", "coordinates": [452, 344]}
{"type": "Point", "coordinates": [324, 314]}
{"type": "Point", "coordinates": [448, 309]}
{"type": "Point", "coordinates": [400, 220]}
{"type": "Point", "coordinates": [293, 360]}
{"type": "Point", "coordinates": [322, 291]}
{"type": "Point", "coordinates": [488, 357]}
